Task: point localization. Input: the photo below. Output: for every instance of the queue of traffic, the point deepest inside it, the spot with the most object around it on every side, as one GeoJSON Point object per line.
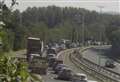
{"type": "Point", "coordinates": [62, 71]}
{"type": "Point", "coordinates": [38, 63]}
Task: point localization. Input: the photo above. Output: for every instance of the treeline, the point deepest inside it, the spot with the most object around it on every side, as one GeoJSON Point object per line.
{"type": "Point", "coordinates": [54, 23]}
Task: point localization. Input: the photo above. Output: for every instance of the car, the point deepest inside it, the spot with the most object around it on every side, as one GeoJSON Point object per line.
{"type": "Point", "coordinates": [59, 68]}
{"type": "Point", "coordinates": [65, 74]}
{"type": "Point", "coordinates": [51, 61]}
{"type": "Point", "coordinates": [56, 63]}
{"type": "Point", "coordinates": [50, 56]}
{"type": "Point", "coordinates": [51, 51]}
{"type": "Point", "coordinates": [110, 64]}
{"type": "Point", "coordinates": [79, 77]}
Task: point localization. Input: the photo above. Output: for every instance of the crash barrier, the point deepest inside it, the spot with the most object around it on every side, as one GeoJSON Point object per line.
{"type": "Point", "coordinates": [102, 73]}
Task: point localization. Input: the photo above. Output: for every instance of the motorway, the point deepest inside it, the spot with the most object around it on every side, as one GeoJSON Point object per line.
{"type": "Point", "coordinates": [50, 77]}
{"type": "Point", "coordinates": [74, 68]}
{"type": "Point", "coordinates": [94, 55]}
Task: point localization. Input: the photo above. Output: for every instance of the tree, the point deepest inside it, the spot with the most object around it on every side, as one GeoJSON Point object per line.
{"type": "Point", "coordinates": [113, 34]}
{"type": "Point", "coordinates": [7, 34]}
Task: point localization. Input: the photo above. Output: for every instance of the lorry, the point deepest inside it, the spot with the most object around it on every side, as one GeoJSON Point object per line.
{"type": "Point", "coordinates": [37, 63]}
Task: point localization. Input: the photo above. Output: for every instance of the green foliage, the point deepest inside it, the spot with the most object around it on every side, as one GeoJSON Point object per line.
{"type": "Point", "coordinates": [11, 70]}
{"type": "Point", "coordinates": [115, 35]}
{"type": "Point", "coordinates": [54, 23]}
{"type": "Point", "coordinates": [38, 30]}
{"type": "Point", "coordinates": [65, 23]}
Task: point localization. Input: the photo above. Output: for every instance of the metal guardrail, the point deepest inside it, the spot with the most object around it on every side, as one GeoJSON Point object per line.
{"type": "Point", "coordinates": [105, 75]}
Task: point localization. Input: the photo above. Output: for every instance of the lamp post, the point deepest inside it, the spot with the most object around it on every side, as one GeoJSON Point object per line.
{"type": "Point", "coordinates": [77, 19]}
{"type": "Point", "coordinates": [80, 20]}
{"type": "Point", "coordinates": [100, 35]}
{"type": "Point", "coordinates": [83, 29]}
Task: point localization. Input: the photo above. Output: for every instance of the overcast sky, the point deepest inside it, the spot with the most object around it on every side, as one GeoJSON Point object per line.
{"type": "Point", "coordinates": [109, 5]}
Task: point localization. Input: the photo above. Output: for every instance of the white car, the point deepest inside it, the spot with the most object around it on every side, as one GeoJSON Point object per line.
{"type": "Point", "coordinates": [91, 81]}
{"type": "Point", "coordinates": [79, 77]}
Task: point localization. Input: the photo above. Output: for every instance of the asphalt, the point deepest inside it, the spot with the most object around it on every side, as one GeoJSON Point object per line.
{"type": "Point", "coordinates": [74, 68]}
{"type": "Point", "coordinates": [51, 77]}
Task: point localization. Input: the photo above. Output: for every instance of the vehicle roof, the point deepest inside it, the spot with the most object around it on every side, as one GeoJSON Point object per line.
{"type": "Point", "coordinates": [51, 54]}
{"type": "Point", "coordinates": [35, 54]}
{"type": "Point", "coordinates": [91, 81]}
{"type": "Point", "coordinates": [53, 58]}
{"type": "Point", "coordinates": [61, 65]}
{"type": "Point", "coordinates": [81, 74]}
{"type": "Point", "coordinates": [33, 38]}
{"type": "Point", "coordinates": [53, 48]}
{"type": "Point", "coordinates": [66, 68]}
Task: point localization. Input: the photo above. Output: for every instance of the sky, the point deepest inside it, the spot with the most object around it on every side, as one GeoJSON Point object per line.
{"type": "Point", "coordinates": [108, 5]}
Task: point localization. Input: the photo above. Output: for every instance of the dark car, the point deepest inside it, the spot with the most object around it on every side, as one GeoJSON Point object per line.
{"type": "Point", "coordinates": [50, 56]}
{"type": "Point", "coordinates": [65, 74]}
{"type": "Point", "coordinates": [51, 61]}
{"type": "Point", "coordinates": [56, 63]}
{"type": "Point", "coordinates": [59, 67]}
{"type": "Point", "coordinates": [110, 64]}
{"type": "Point", "coordinates": [51, 51]}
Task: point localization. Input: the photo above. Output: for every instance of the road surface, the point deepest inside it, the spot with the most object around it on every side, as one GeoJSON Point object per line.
{"type": "Point", "coordinates": [94, 55]}
{"type": "Point", "coordinates": [50, 77]}
{"type": "Point", "coordinates": [75, 69]}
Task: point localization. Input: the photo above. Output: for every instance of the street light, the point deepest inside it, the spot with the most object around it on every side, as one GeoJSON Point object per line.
{"type": "Point", "coordinates": [101, 33]}
{"type": "Point", "coordinates": [77, 18]}
{"type": "Point", "coordinates": [83, 29]}
{"type": "Point", "coordinates": [101, 8]}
